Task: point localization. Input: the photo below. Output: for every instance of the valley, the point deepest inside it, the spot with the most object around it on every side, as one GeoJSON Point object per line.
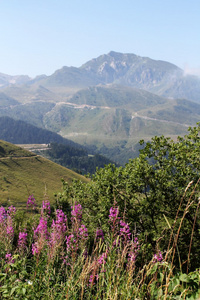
{"type": "Point", "coordinates": [108, 104]}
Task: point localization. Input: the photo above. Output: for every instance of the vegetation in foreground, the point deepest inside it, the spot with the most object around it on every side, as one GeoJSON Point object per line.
{"type": "Point", "coordinates": [130, 233]}
{"type": "Point", "coordinates": [49, 256]}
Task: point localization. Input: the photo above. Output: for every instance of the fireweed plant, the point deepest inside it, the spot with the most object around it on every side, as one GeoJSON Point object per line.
{"type": "Point", "coordinates": [57, 259]}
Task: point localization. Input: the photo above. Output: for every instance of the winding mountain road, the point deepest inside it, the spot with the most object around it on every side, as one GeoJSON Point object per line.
{"type": "Point", "coordinates": [159, 120]}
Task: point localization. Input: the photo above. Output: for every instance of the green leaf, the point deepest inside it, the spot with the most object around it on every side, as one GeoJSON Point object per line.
{"type": "Point", "coordinates": [13, 290]}
{"type": "Point", "coordinates": [160, 293]}
{"type": "Point", "coordinates": [153, 269]}
{"type": "Point", "coordinates": [184, 278]}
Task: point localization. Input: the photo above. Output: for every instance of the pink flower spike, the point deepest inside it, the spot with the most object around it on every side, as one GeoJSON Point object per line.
{"type": "Point", "coordinates": [113, 213]}
{"type": "Point", "coordinates": [22, 240]}
{"type": "Point", "coordinates": [31, 202]}
{"type": "Point", "coordinates": [11, 210]}
{"type": "Point", "coordinates": [83, 232]}
{"type": "Point", "coordinates": [76, 212]}
{"type": "Point", "coordinates": [46, 207]}
{"type": "Point", "coordinates": [3, 215]}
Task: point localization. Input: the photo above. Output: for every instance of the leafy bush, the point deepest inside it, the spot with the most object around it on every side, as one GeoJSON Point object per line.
{"type": "Point", "coordinates": [153, 190]}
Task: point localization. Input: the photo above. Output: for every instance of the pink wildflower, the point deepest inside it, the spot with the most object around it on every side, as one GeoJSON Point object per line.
{"type": "Point", "coordinates": [158, 257]}
{"type": "Point", "coordinates": [102, 259]}
{"type": "Point", "coordinates": [72, 243]}
{"type": "Point", "coordinates": [125, 233]}
{"type": "Point", "coordinates": [9, 227]}
{"type": "Point", "coordinates": [76, 212]}
{"type": "Point", "coordinates": [35, 248]}
{"type": "Point", "coordinates": [83, 232]}
{"type": "Point", "coordinates": [41, 229]}
{"type": "Point", "coordinates": [3, 215]}
{"type": "Point", "coordinates": [11, 211]}
{"type": "Point", "coordinates": [22, 240]}
{"type": "Point", "coordinates": [9, 258]}
{"type": "Point", "coordinates": [113, 216]}
{"type": "Point", "coordinates": [41, 236]}
{"type": "Point", "coordinates": [58, 231]}
{"type": "Point", "coordinates": [31, 202]}
{"type": "Point", "coordinates": [46, 207]}
{"type": "Point", "coordinates": [99, 234]}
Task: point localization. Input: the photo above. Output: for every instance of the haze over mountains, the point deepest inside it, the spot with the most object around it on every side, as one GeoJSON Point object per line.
{"type": "Point", "coordinates": [109, 103]}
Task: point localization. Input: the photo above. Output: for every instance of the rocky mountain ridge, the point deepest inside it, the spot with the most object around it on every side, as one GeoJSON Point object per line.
{"type": "Point", "coordinates": [156, 76]}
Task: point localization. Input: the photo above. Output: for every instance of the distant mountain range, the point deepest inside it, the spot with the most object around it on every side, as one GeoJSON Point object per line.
{"type": "Point", "coordinates": [109, 103]}
{"type": "Point", "coordinates": [159, 77]}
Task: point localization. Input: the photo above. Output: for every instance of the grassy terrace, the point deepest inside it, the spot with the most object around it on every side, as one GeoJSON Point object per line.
{"type": "Point", "coordinates": [23, 173]}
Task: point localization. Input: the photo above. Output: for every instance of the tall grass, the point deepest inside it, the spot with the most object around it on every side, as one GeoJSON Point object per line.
{"type": "Point", "coordinates": [47, 256]}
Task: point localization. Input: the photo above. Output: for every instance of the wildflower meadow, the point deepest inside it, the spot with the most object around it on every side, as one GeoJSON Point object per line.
{"type": "Point", "coordinates": [48, 256]}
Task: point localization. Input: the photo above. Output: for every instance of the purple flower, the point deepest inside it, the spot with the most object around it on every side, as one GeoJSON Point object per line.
{"type": "Point", "coordinates": [6, 222]}
{"type": "Point", "coordinates": [93, 279]}
{"type": "Point", "coordinates": [3, 215]}
{"type": "Point", "coordinates": [41, 229]}
{"type": "Point", "coordinates": [46, 207]}
{"type": "Point", "coordinates": [10, 231]}
{"type": "Point", "coordinates": [102, 259]}
{"type": "Point", "coordinates": [41, 236]}
{"type": "Point", "coordinates": [9, 227]}
{"type": "Point", "coordinates": [61, 220]}
{"type": "Point", "coordinates": [157, 257]}
{"type": "Point", "coordinates": [133, 252]}
{"type": "Point", "coordinates": [11, 211]}
{"type": "Point", "coordinates": [9, 258]}
{"type": "Point", "coordinates": [83, 232]}
{"type": "Point", "coordinates": [58, 231]}
{"type": "Point", "coordinates": [76, 212]}
{"type": "Point", "coordinates": [22, 240]}
{"type": "Point", "coordinates": [113, 213]}
{"type": "Point", "coordinates": [35, 248]}
{"type": "Point", "coordinates": [99, 234]}
{"type": "Point", "coordinates": [125, 231]}
{"type": "Point", "coordinates": [31, 202]}
{"type": "Point", "coordinates": [72, 243]}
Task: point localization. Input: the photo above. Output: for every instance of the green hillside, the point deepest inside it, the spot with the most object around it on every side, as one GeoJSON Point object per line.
{"type": "Point", "coordinates": [23, 173]}
{"type": "Point", "coordinates": [20, 132]}
{"type": "Point", "coordinates": [114, 118]}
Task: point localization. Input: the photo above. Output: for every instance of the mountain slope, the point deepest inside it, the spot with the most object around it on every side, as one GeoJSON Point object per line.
{"type": "Point", "coordinates": [6, 80]}
{"type": "Point", "coordinates": [6, 101]}
{"type": "Point", "coordinates": [110, 111]}
{"type": "Point", "coordinates": [129, 69]}
{"type": "Point", "coordinates": [61, 150]}
{"type": "Point", "coordinates": [20, 132]}
{"type": "Point", "coordinates": [159, 77]}
{"type": "Point", "coordinates": [23, 173]}
{"type": "Point", "coordinates": [117, 117]}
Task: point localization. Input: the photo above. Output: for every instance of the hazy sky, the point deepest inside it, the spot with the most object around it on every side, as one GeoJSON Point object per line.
{"type": "Point", "coordinates": [41, 36]}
